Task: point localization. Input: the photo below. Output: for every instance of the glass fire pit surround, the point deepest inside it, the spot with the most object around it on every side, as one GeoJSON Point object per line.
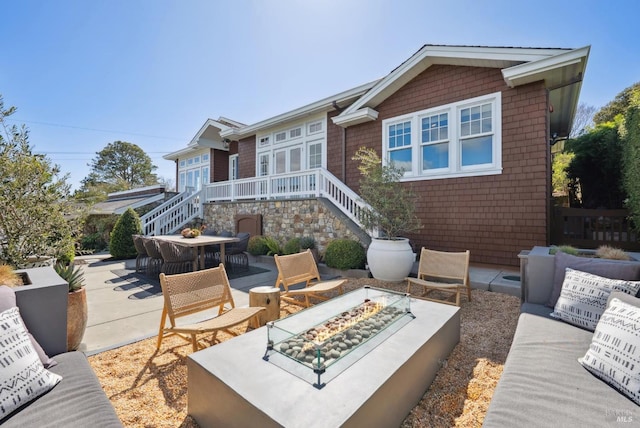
{"type": "Point", "coordinates": [318, 343]}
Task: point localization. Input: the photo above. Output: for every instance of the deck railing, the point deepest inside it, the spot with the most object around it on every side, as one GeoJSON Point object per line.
{"type": "Point", "coordinates": [586, 228]}
{"type": "Point", "coordinates": [180, 210]}
{"type": "Point", "coordinates": [313, 183]}
{"type": "Point", "coordinates": [173, 214]}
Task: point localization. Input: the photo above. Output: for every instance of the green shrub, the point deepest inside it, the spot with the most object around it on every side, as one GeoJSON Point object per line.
{"type": "Point", "coordinates": [345, 254]}
{"type": "Point", "coordinates": [292, 246]}
{"type": "Point", "coordinates": [567, 249]}
{"type": "Point", "coordinates": [93, 241]}
{"type": "Point", "coordinates": [121, 241]}
{"type": "Point", "coordinates": [67, 254]}
{"type": "Point", "coordinates": [257, 246]}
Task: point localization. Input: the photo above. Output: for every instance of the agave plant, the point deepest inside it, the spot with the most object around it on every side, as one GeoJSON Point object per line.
{"type": "Point", "coordinates": [72, 274]}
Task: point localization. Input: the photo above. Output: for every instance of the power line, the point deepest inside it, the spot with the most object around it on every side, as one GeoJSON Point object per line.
{"type": "Point", "coordinates": [59, 125]}
{"type": "Point", "coordinates": [84, 153]}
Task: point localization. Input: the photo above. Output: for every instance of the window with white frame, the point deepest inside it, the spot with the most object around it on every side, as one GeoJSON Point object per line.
{"type": "Point", "coordinates": [314, 127]}
{"type": "Point", "coordinates": [281, 136]}
{"type": "Point", "coordinates": [314, 152]}
{"type": "Point", "coordinates": [457, 139]}
{"type": "Point", "coordinates": [295, 132]}
{"type": "Point", "coordinates": [234, 172]}
{"type": "Point", "coordinates": [399, 144]}
{"type": "Point", "coordinates": [263, 164]}
{"type": "Point", "coordinates": [295, 148]}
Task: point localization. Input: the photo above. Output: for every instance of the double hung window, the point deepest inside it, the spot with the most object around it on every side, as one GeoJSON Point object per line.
{"type": "Point", "coordinates": [453, 140]}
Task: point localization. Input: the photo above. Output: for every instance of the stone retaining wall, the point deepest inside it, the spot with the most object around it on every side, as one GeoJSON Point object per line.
{"type": "Point", "coordinates": [286, 219]}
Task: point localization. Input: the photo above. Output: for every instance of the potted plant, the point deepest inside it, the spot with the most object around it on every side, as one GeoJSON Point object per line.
{"type": "Point", "coordinates": [77, 311]}
{"type": "Point", "coordinates": [390, 213]}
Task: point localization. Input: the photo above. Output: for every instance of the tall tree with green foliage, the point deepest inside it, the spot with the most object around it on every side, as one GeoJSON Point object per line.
{"type": "Point", "coordinates": [119, 166]}
{"type": "Point", "coordinates": [618, 106]}
{"type": "Point", "coordinates": [559, 178]}
{"type": "Point", "coordinates": [34, 199]}
{"type": "Point", "coordinates": [631, 157]}
{"type": "Point", "coordinates": [596, 167]}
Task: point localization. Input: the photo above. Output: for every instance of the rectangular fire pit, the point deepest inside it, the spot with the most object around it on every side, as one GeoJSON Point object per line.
{"type": "Point", "coordinates": [374, 384]}
{"type": "Point", "coordinates": [319, 351]}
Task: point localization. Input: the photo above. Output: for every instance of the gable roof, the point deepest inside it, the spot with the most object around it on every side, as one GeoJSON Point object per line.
{"type": "Point", "coordinates": [561, 70]}
{"type": "Point", "coordinates": [208, 136]}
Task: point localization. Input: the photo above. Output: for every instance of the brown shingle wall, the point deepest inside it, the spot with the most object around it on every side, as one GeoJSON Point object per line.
{"type": "Point", "coordinates": [334, 151]}
{"type": "Point", "coordinates": [494, 216]}
{"type": "Point", "coordinates": [247, 157]}
{"type": "Point", "coordinates": [220, 165]}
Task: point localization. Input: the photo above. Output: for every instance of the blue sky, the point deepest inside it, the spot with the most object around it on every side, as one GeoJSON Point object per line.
{"type": "Point", "coordinates": [86, 73]}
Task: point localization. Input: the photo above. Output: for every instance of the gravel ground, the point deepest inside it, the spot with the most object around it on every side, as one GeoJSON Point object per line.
{"type": "Point", "coordinates": [149, 388]}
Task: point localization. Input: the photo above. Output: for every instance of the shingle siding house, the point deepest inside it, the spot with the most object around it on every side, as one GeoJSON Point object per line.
{"type": "Point", "coordinates": [470, 125]}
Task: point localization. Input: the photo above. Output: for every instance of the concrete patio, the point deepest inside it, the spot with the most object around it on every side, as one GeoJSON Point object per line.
{"type": "Point", "coordinates": [121, 312]}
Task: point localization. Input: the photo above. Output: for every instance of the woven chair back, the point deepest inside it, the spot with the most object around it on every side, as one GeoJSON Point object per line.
{"type": "Point", "coordinates": [139, 244]}
{"type": "Point", "coordinates": [296, 268]}
{"type": "Point", "coordinates": [152, 247]}
{"type": "Point", "coordinates": [172, 253]}
{"type": "Point", "coordinates": [444, 265]}
{"type": "Point", "coordinates": [192, 292]}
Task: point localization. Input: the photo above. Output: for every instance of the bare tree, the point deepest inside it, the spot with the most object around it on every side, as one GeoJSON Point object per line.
{"type": "Point", "coordinates": [583, 120]}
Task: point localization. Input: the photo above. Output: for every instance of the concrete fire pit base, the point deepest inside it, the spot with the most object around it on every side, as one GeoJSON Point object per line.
{"type": "Point", "coordinates": [231, 385]}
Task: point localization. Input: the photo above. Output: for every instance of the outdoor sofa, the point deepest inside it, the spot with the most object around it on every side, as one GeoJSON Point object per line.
{"type": "Point", "coordinates": [543, 382]}
{"type": "Point", "coordinates": [77, 400]}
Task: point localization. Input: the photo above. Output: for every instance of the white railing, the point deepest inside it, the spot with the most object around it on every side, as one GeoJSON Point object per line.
{"type": "Point", "coordinates": [181, 209]}
{"type": "Point", "coordinates": [314, 183]}
{"type": "Point", "coordinates": [174, 214]}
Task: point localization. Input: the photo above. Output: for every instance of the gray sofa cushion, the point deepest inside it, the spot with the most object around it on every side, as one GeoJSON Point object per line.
{"type": "Point", "coordinates": [608, 269]}
{"type": "Point", "coordinates": [77, 401]}
{"type": "Point", "coordinates": [615, 348]}
{"type": "Point", "coordinates": [543, 384]}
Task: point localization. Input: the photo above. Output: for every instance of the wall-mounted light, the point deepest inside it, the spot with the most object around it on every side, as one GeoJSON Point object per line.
{"type": "Point", "coordinates": [225, 143]}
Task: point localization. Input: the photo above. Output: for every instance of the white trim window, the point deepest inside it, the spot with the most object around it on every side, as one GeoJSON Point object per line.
{"type": "Point", "coordinates": [299, 147]}
{"type": "Point", "coordinates": [234, 172]}
{"type": "Point", "coordinates": [455, 140]}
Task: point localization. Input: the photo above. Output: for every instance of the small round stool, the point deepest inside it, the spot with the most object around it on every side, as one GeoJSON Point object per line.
{"type": "Point", "coordinates": [268, 298]}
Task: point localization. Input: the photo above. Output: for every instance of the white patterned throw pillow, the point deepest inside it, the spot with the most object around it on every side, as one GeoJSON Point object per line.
{"type": "Point", "coordinates": [614, 353]}
{"type": "Point", "coordinates": [22, 375]}
{"type": "Point", "coordinates": [584, 297]}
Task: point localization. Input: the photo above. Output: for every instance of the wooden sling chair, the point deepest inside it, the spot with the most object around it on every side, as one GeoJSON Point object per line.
{"type": "Point", "coordinates": [192, 292]}
{"type": "Point", "coordinates": [301, 268]}
{"type": "Point", "coordinates": [444, 272]}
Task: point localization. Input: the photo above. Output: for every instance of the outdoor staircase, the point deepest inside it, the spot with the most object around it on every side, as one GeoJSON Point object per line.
{"type": "Point", "coordinates": [174, 214]}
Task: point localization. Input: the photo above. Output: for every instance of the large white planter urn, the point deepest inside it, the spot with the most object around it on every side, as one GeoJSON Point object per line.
{"type": "Point", "coordinates": [390, 259]}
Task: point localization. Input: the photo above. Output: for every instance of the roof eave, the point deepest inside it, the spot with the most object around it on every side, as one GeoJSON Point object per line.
{"type": "Point", "coordinates": [326, 104]}
{"type": "Point", "coordinates": [540, 70]}
{"type": "Point", "coordinates": [198, 142]}
{"type": "Point", "coordinates": [363, 115]}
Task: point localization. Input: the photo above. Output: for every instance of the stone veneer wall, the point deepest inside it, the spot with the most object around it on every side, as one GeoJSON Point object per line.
{"type": "Point", "coordinates": [283, 219]}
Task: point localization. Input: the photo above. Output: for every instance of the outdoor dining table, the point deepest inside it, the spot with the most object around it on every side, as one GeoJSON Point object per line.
{"type": "Point", "coordinates": [199, 242]}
